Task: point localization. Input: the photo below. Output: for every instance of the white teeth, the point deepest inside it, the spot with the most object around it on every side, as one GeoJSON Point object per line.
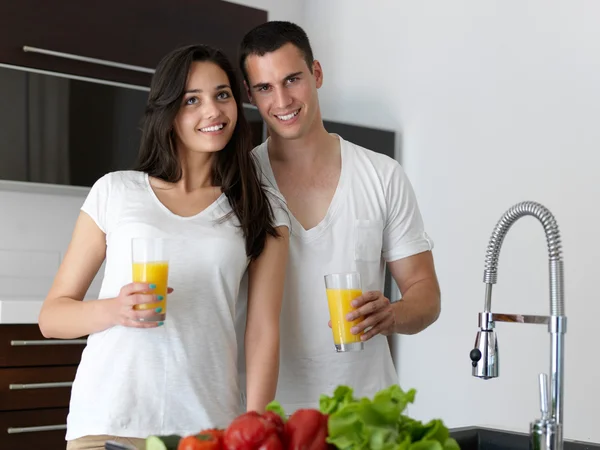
{"type": "Point", "coordinates": [288, 116]}
{"type": "Point", "coordinates": [214, 128]}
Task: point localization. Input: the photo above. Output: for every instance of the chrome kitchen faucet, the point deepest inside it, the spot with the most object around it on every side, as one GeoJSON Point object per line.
{"type": "Point", "coordinates": [546, 433]}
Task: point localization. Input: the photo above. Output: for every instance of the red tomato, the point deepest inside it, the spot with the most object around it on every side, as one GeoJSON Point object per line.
{"type": "Point", "coordinates": [206, 440]}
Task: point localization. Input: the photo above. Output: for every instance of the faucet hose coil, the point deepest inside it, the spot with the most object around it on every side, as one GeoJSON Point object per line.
{"type": "Point", "coordinates": [528, 208]}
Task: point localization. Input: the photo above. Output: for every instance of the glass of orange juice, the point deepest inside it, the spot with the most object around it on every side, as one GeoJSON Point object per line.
{"type": "Point", "coordinates": [342, 288]}
{"type": "Point", "coordinates": [150, 264]}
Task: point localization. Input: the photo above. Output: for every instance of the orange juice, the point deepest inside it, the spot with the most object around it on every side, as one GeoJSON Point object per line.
{"type": "Point", "coordinates": [155, 272]}
{"type": "Point", "coordinates": [339, 306]}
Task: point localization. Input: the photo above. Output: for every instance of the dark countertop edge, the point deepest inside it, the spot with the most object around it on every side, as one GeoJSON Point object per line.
{"type": "Point", "coordinates": [487, 433]}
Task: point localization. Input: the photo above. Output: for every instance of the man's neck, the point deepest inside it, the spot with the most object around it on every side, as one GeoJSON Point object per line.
{"type": "Point", "coordinates": [307, 151]}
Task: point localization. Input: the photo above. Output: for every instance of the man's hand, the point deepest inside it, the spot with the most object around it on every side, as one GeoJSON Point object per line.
{"type": "Point", "coordinates": [377, 312]}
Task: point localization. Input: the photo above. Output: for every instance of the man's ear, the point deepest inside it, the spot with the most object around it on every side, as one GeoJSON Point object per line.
{"type": "Point", "coordinates": [317, 73]}
{"type": "Point", "coordinates": [248, 93]}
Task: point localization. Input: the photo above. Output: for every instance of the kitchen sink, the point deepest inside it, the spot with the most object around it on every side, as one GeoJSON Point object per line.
{"type": "Point", "coordinates": [474, 438]}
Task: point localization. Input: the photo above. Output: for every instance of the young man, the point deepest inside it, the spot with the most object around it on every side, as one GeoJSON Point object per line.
{"type": "Point", "coordinates": [351, 210]}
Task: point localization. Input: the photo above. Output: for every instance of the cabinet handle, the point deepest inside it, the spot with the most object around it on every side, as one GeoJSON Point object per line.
{"type": "Point", "coordinates": [48, 342]}
{"type": "Point", "coordinates": [102, 62]}
{"type": "Point", "coordinates": [18, 387]}
{"type": "Point", "coordinates": [15, 430]}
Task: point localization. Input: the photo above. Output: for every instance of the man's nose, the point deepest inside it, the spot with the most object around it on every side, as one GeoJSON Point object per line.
{"type": "Point", "coordinates": [283, 98]}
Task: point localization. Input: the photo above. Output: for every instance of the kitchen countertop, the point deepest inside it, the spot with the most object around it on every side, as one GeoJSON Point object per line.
{"type": "Point", "coordinates": [20, 310]}
{"type": "Point", "coordinates": [468, 438]}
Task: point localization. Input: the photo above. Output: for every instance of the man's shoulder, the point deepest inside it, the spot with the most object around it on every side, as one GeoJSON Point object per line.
{"type": "Point", "coordinates": [260, 155]}
{"type": "Point", "coordinates": [370, 160]}
{"type": "Point", "coordinates": [260, 150]}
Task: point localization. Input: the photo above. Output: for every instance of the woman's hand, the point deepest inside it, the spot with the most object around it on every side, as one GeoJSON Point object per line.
{"type": "Point", "coordinates": [123, 311]}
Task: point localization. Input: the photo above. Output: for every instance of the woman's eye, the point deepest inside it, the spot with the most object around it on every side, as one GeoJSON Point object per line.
{"type": "Point", "coordinates": [191, 101]}
{"type": "Point", "coordinates": [223, 95]}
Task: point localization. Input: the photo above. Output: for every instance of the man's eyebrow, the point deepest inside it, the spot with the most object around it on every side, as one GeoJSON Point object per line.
{"type": "Point", "coordinates": [259, 85]}
{"type": "Point", "coordinates": [287, 77]}
{"type": "Point", "coordinates": [292, 75]}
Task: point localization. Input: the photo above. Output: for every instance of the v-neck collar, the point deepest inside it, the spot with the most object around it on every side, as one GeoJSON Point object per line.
{"type": "Point", "coordinates": [205, 212]}
{"type": "Point", "coordinates": [317, 230]}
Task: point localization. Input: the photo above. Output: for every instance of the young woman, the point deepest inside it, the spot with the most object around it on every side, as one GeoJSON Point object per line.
{"type": "Point", "coordinates": [197, 186]}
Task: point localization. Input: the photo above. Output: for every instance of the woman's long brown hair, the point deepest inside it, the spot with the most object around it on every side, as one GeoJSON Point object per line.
{"type": "Point", "coordinates": [234, 168]}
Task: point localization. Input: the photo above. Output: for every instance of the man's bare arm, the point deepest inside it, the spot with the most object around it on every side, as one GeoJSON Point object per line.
{"type": "Point", "coordinates": [420, 304]}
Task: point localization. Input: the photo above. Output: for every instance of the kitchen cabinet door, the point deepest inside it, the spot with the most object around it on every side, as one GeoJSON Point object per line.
{"type": "Point", "coordinates": [124, 31]}
{"type": "Point", "coordinates": [13, 142]}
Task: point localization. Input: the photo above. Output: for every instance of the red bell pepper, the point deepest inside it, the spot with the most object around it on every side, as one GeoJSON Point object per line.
{"type": "Point", "coordinates": [306, 429]}
{"type": "Point", "coordinates": [276, 420]}
{"type": "Point", "coordinates": [253, 431]}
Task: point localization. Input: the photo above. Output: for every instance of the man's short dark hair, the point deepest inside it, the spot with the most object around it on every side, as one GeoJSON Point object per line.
{"type": "Point", "coordinates": [271, 36]}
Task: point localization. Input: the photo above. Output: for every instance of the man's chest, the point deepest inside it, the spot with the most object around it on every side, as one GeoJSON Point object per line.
{"type": "Point", "coordinates": [308, 195]}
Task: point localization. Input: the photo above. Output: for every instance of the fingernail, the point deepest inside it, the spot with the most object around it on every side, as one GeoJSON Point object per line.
{"type": "Point", "coordinates": [350, 316]}
{"type": "Point", "coordinates": [354, 303]}
{"type": "Point", "coordinates": [353, 330]}
{"type": "Point", "coordinates": [158, 309]}
{"type": "Point", "coordinates": [152, 286]}
{"type": "Point", "coordinates": [159, 297]}
{"type": "Point", "coordinates": [160, 324]}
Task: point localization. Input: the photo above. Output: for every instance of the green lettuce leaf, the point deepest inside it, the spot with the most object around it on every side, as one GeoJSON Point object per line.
{"type": "Point", "coordinates": [341, 397]}
{"type": "Point", "coordinates": [276, 407]}
{"type": "Point", "coordinates": [451, 444]}
{"type": "Point", "coordinates": [426, 445]}
{"type": "Point", "coordinates": [379, 424]}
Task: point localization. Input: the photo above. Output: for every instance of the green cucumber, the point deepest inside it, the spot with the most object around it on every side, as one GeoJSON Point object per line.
{"type": "Point", "coordinates": [169, 442]}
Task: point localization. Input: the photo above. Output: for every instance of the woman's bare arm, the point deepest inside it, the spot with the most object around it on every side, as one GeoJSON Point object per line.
{"type": "Point", "coordinates": [266, 278]}
{"type": "Point", "coordinates": [64, 315]}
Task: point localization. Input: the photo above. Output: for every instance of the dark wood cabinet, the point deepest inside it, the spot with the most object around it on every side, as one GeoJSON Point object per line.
{"type": "Point", "coordinates": [34, 387]}
{"type": "Point", "coordinates": [23, 345]}
{"type": "Point", "coordinates": [33, 429]}
{"type": "Point", "coordinates": [36, 375]}
{"type": "Point", "coordinates": [59, 128]}
{"type": "Point", "coordinates": [62, 131]}
{"type": "Point", "coordinates": [124, 31]}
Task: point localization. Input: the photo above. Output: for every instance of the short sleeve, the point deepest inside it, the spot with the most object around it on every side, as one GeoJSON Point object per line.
{"type": "Point", "coordinates": [404, 234]}
{"type": "Point", "coordinates": [96, 202]}
{"type": "Point", "coordinates": [281, 213]}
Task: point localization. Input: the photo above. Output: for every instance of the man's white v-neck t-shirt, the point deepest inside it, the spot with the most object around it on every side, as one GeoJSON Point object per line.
{"type": "Point", "coordinates": [373, 218]}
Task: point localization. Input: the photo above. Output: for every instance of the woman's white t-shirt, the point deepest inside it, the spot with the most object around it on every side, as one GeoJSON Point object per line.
{"type": "Point", "coordinates": [180, 377]}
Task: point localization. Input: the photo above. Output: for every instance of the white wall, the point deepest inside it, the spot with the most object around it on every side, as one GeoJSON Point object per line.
{"type": "Point", "coordinates": [497, 102]}
{"type": "Point", "coordinates": [277, 9]}
{"type": "Point", "coordinates": [35, 230]}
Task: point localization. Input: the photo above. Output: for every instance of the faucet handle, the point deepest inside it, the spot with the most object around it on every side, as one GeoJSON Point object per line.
{"type": "Point", "coordinates": [544, 395]}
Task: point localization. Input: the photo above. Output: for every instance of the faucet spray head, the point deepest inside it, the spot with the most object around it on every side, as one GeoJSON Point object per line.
{"type": "Point", "coordinates": [484, 357]}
